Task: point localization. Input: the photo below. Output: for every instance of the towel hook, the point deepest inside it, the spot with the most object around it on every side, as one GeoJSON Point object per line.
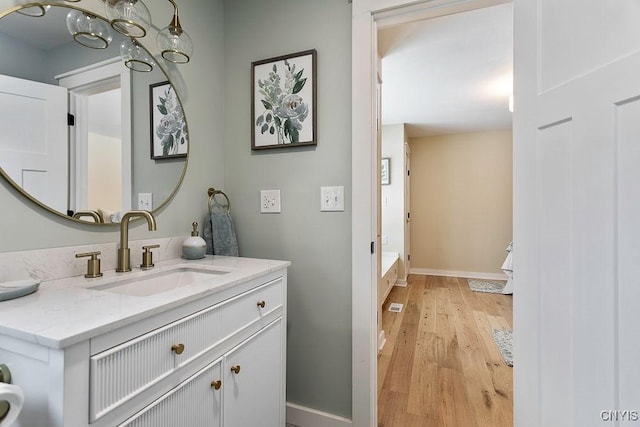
{"type": "Point", "coordinates": [212, 194]}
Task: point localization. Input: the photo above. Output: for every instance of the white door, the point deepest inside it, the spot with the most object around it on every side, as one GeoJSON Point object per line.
{"type": "Point", "coordinates": [33, 142]}
{"type": "Point", "coordinates": [253, 380]}
{"type": "Point", "coordinates": [576, 212]}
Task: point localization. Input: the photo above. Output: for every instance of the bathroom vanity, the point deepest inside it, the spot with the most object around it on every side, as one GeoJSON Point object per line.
{"type": "Point", "coordinates": [187, 343]}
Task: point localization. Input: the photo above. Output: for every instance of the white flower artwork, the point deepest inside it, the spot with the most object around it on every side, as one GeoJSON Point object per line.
{"type": "Point", "coordinates": [284, 99]}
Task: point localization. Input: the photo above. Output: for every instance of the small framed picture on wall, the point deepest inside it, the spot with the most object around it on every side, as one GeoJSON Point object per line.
{"type": "Point", "coordinates": [385, 171]}
{"type": "Point", "coordinates": [168, 126]}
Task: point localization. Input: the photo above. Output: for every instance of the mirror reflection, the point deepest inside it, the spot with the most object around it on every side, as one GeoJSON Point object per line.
{"type": "Point", "coordinates": [78, 128]}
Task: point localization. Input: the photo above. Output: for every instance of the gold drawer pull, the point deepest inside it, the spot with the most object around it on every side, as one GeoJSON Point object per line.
{"type": "Point", "coordinates": [216, 384]}
{"type": "Point", "coordinates": [177, 348]}
{"type": "Point", "coordinates": [261, 304]}
{"type": "Point", "coordinates": [235, 369]}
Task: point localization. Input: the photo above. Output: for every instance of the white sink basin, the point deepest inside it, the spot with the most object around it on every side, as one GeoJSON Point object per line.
{"type": "Point", "coordinates": [158, 282]}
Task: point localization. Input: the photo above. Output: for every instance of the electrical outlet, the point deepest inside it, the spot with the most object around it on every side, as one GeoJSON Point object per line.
{"type": "Point", "coordinates": [145, 201]}
{"type": "Point", "coordinates": [332, 199]}
{"type": "Point", "coordinates": [270, 201]}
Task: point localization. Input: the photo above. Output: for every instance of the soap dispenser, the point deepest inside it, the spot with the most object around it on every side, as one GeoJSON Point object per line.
{"type": "Point", "coordinates": [194, 247]}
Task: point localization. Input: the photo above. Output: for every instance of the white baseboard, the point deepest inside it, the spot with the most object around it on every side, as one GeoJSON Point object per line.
{"type": "Point", "coordinates": [300, 416]}
{"type": "Point", "coordinates": [382, 340]}
{"type": "Point", "coordinates": [465, 274]}
{"type": "Point", "coordinates": [401, 283]}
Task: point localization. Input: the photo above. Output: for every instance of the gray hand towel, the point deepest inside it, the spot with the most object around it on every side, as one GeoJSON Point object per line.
{"type": "Point", "coordinates": [223, 234]}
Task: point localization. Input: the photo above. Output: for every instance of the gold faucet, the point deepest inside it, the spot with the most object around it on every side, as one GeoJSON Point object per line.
{"type": "Point", "coordinates": [124, 254]}
{"type": "Point", "coordinates": [97, 217]}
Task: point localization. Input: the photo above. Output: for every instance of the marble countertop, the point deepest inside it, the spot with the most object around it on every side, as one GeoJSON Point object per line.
{"type": "Point", "coordinates": [66, 311]}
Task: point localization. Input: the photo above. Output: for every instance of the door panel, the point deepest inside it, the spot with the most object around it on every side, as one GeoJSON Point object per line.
{"type": "Point", "coordinates": [33, 147]}
{"type": "Point", "coordinates": [576, 210]}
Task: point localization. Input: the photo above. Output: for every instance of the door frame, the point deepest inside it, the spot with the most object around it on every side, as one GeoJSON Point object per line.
{"type": "Point", "coordinates": [81, 82]}
{"type": "Point", "coordinates": [367, 17]}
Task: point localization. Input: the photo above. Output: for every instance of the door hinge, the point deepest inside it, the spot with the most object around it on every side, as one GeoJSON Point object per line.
{"type": "Point", "coordinates": [373, 247]}
{"type": "Point", "coordinates": [71, 119]}
{"type": "Point", "coordinates": [408, 215]}
{"type": "Point", "coordinates": [408, 172]}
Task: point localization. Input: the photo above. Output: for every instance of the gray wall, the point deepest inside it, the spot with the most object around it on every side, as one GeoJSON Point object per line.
{"type": "Point", "coordinates": [24, 226]}
{"type": "Point", "coordinates": [317, 243]}
{"type": "Point", "coordinates": [149, 176]}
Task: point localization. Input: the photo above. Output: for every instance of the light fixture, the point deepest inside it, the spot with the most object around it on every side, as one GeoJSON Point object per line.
{"type": "Point", "coordinates": [34, 11]}
{"type": "Point", "coordinates": [89, 30]}
{"type": "Point", "coordinates": [135, 56]}
{"type": "Point", "coordinates": [174, 43]}
{"type": "Point", "coordinates": [129, 17]}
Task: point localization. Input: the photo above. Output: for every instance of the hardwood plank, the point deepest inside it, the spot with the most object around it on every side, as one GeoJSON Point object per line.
{"type": "Point", "coordinates": [440, 366]}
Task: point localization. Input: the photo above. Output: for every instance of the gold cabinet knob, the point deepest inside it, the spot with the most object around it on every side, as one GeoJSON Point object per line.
{"type": "Point", "coordinates": [235, 369]}
{"type": "Point", "coordinates": [177, 348]}
{"type": "Point", "coordinates": [261, 304]}
{"type": "Point", "coordinates": [216, 384]}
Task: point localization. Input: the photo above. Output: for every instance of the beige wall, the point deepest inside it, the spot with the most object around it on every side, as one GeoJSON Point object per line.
{"type": "Point", "coordinates": [461, 201]}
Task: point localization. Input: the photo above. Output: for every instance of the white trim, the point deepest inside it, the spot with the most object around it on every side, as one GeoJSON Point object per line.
{"type": "Point", "coordinates": [402, 283]}
{"type": "Point", "coordinates": [382, 340]}
{"type": "Point", "coordinates": [465, 274]}
{"type": "Point", "coordinates": [300, 416]}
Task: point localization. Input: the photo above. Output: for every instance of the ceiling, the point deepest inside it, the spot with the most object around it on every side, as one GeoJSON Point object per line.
{"type": "Point", "coordinates": [451, 74]}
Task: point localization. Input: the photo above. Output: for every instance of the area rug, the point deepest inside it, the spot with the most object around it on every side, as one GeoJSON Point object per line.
{"type": "Point", "coordinates": [487, 286]}
{"type": "Point", "coordinates": [504, 341]}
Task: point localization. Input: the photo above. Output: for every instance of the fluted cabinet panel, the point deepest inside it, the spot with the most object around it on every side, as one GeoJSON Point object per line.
{"type": "Point", "coordinates": [124, 371]}
{"type": "Point", "coordinates": [193, 403]}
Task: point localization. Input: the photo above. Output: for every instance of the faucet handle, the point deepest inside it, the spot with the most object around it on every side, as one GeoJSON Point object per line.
{"type": "Point", "coordinates": [93, 264]}
{"type": "Point", "coordinates": [147, 256]}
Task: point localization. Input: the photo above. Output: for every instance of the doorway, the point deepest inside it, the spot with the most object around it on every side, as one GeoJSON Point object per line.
{"type": "Point", "coordinates": [448, 81]}
{"type": "Point", "coordinates": [366, 180]}
{"type": "Point", "coordinates": [100, 137]}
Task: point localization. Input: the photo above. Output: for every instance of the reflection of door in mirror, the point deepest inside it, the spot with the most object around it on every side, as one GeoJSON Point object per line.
{"type": "Point", "coordinates": [100, 139]}
{"type": "Point", "coordinates": [32, 122]}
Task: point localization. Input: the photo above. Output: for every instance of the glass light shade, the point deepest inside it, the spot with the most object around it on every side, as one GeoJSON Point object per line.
{"type": "Point", "coordinates": [34, 11]}
{"type": "Point", "coordinates": [89, 30]}
{"type": "Point", "coordinates": [135, 56]}
{"type": "Point", "coordinates": [175, 44]}
{"type": "Point", "coordinates": [129, 17]}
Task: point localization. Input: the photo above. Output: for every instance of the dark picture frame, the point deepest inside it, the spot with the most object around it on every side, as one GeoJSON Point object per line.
{"type": "Point", "coordinates": [168, 125]}
{"type": "Point", "coordinates": [283, 101]}
{"type": "Point", "coordinates": [385, 171]}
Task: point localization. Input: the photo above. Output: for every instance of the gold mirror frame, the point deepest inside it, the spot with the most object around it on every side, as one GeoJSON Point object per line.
{"type": "Point", "coordinates": [61, 214]}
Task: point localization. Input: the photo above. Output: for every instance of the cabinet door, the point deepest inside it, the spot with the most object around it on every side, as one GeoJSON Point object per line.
{"type": "Point", "coordinates": [254, 380]}
{"type": "Point", "coordinates": [196, 402]}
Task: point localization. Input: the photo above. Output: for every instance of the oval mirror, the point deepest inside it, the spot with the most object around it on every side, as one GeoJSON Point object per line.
{"type": "Point", "coordinates": [82, 135]}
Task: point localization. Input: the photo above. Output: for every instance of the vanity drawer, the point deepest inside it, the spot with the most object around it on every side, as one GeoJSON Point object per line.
{"type": "Point", "coordinates": [126, 370]}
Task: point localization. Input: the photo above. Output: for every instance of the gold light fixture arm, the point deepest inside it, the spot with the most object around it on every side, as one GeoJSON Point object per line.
{"type": "Point", "coordinates": [175, 21]}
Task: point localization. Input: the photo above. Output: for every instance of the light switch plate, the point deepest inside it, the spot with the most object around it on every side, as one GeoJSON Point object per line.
{"type": "Point", "coordinates": [332, 199]}
{"type": "Point", "coordinates": [145, 201]}
{"type": "Point", "coordinates": [270, 201]}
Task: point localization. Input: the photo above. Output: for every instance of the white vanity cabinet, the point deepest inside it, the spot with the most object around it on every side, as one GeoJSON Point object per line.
{"type": "Point", "coordinates": [195, 402]}
{"type": "Point", "coordinates": [214, 361]}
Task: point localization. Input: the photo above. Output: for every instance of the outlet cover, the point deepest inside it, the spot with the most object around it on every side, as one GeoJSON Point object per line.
{"type": "Point", "coordinates": [270, 201]}
{"type": "Point", "coordinates": [332, 199]}
{"type": "Point", "coordinates": [145, 201]}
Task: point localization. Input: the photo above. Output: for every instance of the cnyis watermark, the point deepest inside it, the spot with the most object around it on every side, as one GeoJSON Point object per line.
{"type": "Point", "coordinates": [619, 415]}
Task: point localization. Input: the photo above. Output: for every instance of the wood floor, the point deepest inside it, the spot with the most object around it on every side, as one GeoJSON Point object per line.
{"type": "Point", "coordinates": [440, 366]}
